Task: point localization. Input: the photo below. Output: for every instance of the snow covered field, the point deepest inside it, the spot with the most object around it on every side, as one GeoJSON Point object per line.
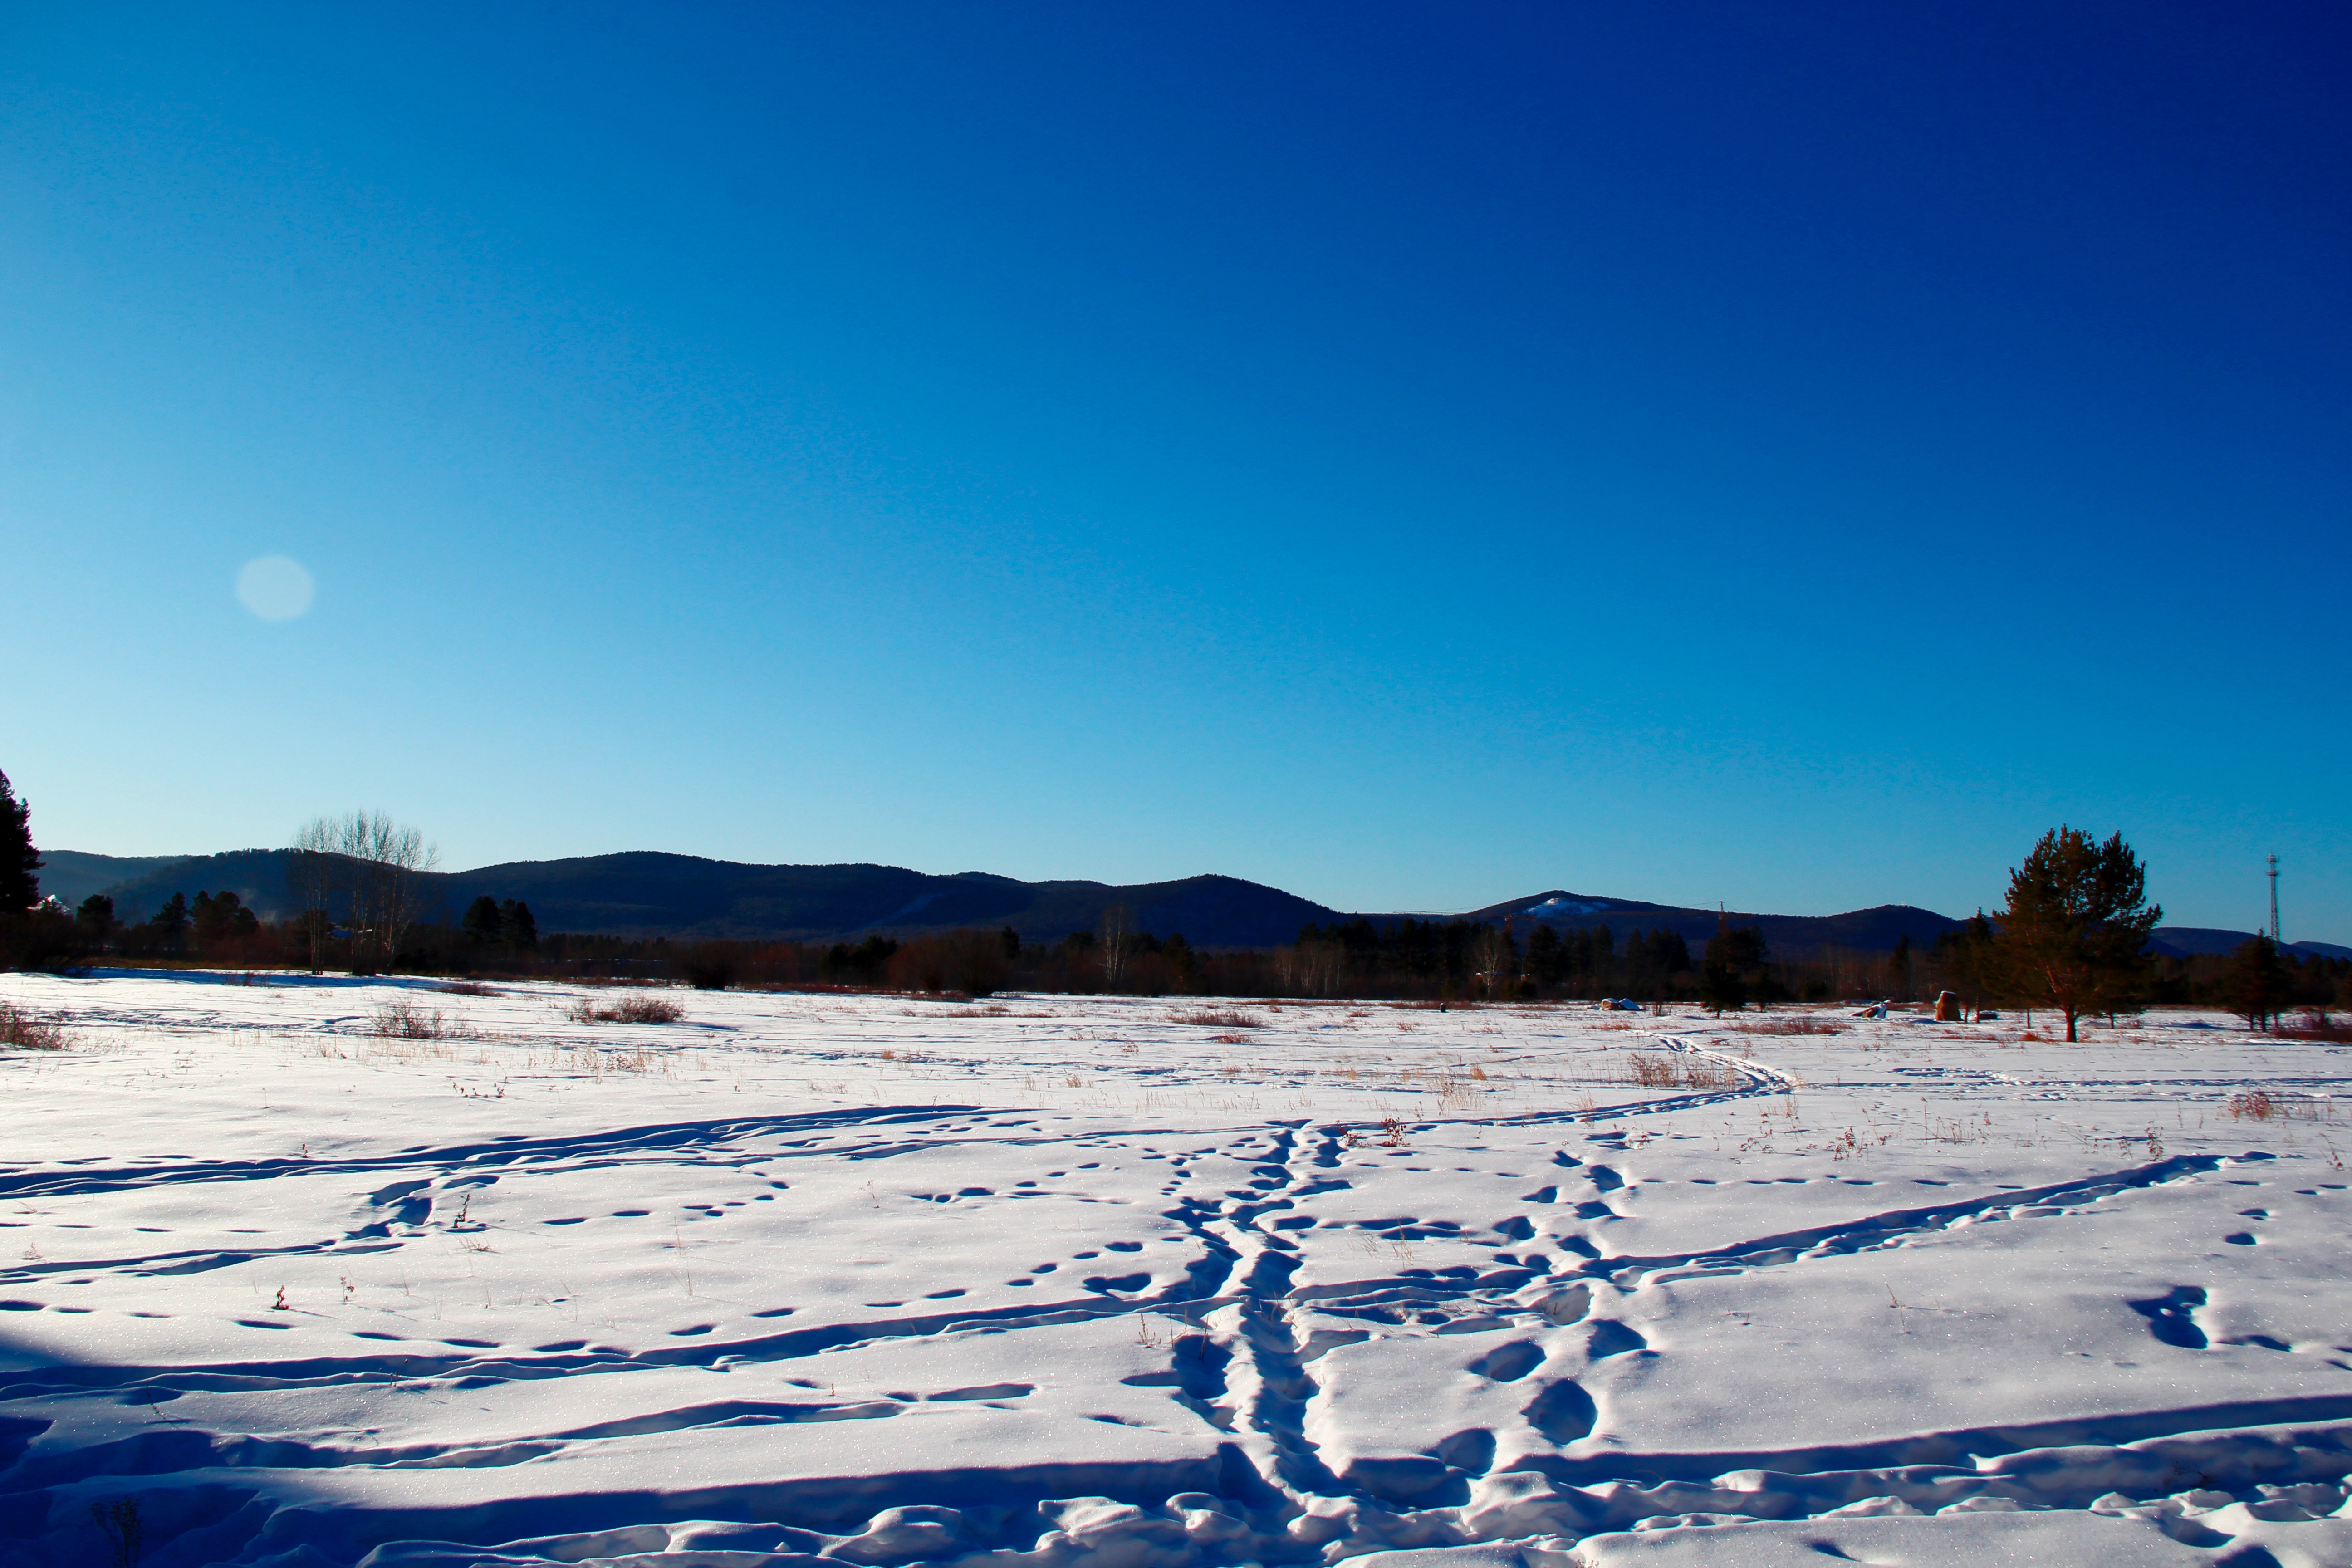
{"type": "Point", "coordinates": [1120, 1283]}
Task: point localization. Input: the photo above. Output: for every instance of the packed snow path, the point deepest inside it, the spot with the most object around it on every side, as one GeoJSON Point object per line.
{"type": "Point", "coordinates": [1119, 1283]}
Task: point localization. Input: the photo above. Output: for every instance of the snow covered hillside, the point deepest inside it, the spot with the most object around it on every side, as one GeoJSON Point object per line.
{"type": "Point", "coordinates": [1122, 1283]}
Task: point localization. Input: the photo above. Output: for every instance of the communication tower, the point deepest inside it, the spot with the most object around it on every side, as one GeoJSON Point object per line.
{"type": "Point", "coordinates": [2277, 936]}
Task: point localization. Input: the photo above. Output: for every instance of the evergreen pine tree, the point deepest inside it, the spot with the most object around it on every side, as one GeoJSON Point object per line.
{"type": "Point", "coordinates": [1721, 987]}
{"type": "Point", "coordinates": [2074, 935]}
{"type": "Point", "coordinates": [1546, 955]}
{"type": "Point", "coordinates": [481, 920]}
{"type": "Point", "coordinates": [172, 921]}
{"type": "Point", "coordinates": [20, 863]}
{"type": "Point", "coordinates": [2259, 982]}
{"type": "Point", "coordinates": [1733, 958]}
{"type": "Point", "coordinates": [519, 926]}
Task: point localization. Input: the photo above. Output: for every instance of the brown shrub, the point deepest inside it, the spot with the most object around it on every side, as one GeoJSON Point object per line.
{"type": "Point", "coordinates": [1679, 1072]}
{"type": "Point", "coordinates": [1219, 1019]}
{"type": "Point", "coordinates": [28, 1032]}
{"type": "Point", "coordinates": [404, 1020]}
{"type": "Point", "coordinates": [633, 1009]}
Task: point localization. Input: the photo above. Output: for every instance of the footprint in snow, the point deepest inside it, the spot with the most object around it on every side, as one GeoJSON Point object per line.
{"type": "Point", "coordinates": [1608, 1337]}
{"type": "Point", "coordinates": [1562, 1413]}
{"type": "Point", "coordinates": [2170, 1317]}
{"type": "Point", "coordinates": [1472, 1451]}
{"type": "Point", "coordinates": [1509, 1363]}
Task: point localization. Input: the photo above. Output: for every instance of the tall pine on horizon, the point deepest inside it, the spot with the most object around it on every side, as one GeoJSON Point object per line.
{"type": "Point", "coordinates": [20, 863]}
{"type": "Point", "coordinates": [2074, 935]}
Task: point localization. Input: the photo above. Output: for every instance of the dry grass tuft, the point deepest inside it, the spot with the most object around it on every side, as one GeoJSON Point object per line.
{"type": "Point", "coordinates": [27, 1032]}
{"type": "Point", "coordinates": [465, 988]}
{"type": "Point", "coordinates": [404, 1020]}
{"type": "Point", "coordinates": [2252, 1105]}
{"type": "Point", "coordinates": [1788, 1026]}
{"type": "Point", "coordinates": [1679, 1072]}
{"type": "Point", "coordinates": [1219, 1019]}
{"type": "Point", "coordinates": [638, 1009]}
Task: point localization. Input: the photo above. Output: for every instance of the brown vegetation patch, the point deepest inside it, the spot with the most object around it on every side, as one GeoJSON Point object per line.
{"type": "Point", "coordinates": [1219, 1019]}
{"type": "Point", "coordinates": [1678, 1071]}
{"type": "Point", "coordinates": [628, 1010]}
{"type": "Point", "coordinates": [29, 1032]}
{"type": "Point", "coordinates": [404, 1020]}
{"type": "Point", "coordinates": [1788, 1026]}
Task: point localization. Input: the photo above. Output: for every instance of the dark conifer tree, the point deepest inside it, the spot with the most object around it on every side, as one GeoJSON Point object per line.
{"type": "Point", "coordinates": [20, 863]}
{"type": "Point", "coordinates": [2075, 933]}
{"type": "Point", "coordinates": [219, 918]}
{"type": "Point", "coordinates": [1720, 986]}
{"type": "Point", "coordinates": [519, 926]}
{"type": "Point", "coordinates": [1968, 956]}
{"type": "Point", "coordinates": [2259, 981]}
{"type": "Point", "coordinates": [1733, 959]}
{"type": "Point", "coordinates": [481, 924]}
{"type": "Point", "coordinates": [1546, 959]}
{"type": "Point", "coordinates": [171, 922]}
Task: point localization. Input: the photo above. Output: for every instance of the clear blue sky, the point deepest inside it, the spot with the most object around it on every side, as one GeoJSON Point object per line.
{"type": "Point", "coordinates": [1412, 455]}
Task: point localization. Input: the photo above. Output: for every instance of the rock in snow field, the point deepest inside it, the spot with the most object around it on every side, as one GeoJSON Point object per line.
{"type": "Point", "coordinates": [1126, 1283]}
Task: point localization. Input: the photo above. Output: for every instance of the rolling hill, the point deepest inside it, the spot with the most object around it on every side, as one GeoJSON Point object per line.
{"type": "Point", "coordinates": [686, 897]}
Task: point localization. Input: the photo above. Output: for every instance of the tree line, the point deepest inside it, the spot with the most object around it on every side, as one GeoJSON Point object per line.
{"type": "Point", "coordinates": [2073, 939]}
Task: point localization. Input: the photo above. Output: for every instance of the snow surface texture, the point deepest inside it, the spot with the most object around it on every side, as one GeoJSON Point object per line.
{"type": "Point", "coordinates": [1117, 1283]}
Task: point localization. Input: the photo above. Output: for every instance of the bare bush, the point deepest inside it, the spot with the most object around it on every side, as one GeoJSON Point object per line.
{"type": "Point", "coordinates": [373, 868]}
{"type": "Point", "coordinates": [404, 1020]}
{"type": "Point", "coordinates": [1679, 1072]}
{"type": "Point", "coordinates": [1651, 1072]}
{"type": "Point", "coordinates": [2313, 1024]}
{"type": "Point", "coordinates": [635, 1010]}
{"type": "Point", "coordinates": [465, 988]}
{"type": "Point", "coordinates": [2252, 1105]}
{"type": "Point", "coordinates": [1790, 1027]}
{"type": "Point", "coordinates": [1219, 1019]}
{"type": "Point", "coordinates": [25, 1031]}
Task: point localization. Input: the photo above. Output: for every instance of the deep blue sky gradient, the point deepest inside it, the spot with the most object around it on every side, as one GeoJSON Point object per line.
{"type": "Point", "coordinates": [1413, 454]}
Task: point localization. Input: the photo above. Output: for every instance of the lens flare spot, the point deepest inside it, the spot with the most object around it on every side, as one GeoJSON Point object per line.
{"type": "Point", "coordinates": [275, 587]}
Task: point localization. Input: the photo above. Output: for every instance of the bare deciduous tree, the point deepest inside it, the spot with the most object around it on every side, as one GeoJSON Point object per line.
{"type": "Point", "coordinates": [373, 864]}
{"type": "Point", "coordinates": [1118, 943]}
{"type": "Point", "coordinates": [313, 878]}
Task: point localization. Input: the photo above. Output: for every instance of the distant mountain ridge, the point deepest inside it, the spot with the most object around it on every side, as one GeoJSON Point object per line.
{"type": "Point", "coordinates": [646, 893]}
{"type": "Point", "coordinates": [1787, 936]}
{"type": "Point", "coordinates": [69, 875]}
